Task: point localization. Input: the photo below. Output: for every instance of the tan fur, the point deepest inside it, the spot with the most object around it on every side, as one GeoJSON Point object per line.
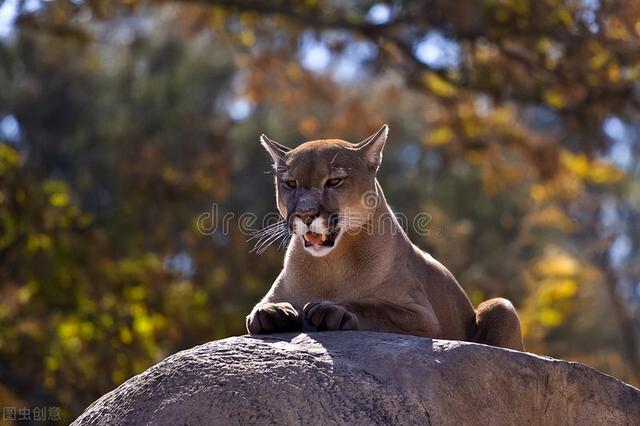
{"type": "Point", "coordinates": [377, 281]}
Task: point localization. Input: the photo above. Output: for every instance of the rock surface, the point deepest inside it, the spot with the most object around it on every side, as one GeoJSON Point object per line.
{"type": "Point", "coordinates": [363, 378]}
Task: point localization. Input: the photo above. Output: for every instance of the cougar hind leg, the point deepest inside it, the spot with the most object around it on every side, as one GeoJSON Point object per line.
{"type": "Point", "coordinates": [498, 324]}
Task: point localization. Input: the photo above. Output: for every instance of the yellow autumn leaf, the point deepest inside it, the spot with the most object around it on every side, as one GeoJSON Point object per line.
{"type": "Point", "coordinates": [438, 85]}
{"type": "Point", "coordinates": [565, 289]}
{"type": "Point", "coordinates": [613, 73]}
{"type": "Point", "coordinates": [143, 325]}
{"type": "Point", "coordinates": [125, 335]}
{"type": "Point", "coordinates": [9, 158]}
{"type": "Point", "coordinates": [594, 171]}
{"type": "Point", "coordinates": [87, 330]}
{"type": "Point", "coordinates": [502, 116]}
{"type": "Point", "coordinates": [247, 37]}
{"type": "Point", "coordinates": [538, 192]}
{"type": "Point", "coordinates": [550, 317]}
{"type": "Point", "coordinates": [439, 136]}
{"type": "Point", "coordinates": [59, 199]}
{"type": "Point", "coordinates": [565, 17]}
{"type": "Point", "coordinates": [604, 173]}
{"type": "Point", "coordinates": [554, 98]}
{"type": "Point", "coordinates": [577, 163]}
{"type": "Point", "coordinates": [68, 329]}
{"type": "Point", "coordinates": [616, 29]}
{"type": "Point", "coordinates": [38, 242]}
{"type": "Point", "coordinates": [551, 217]}
{"type": "Point", "coordinates": [543, 45]}
{"type": "Point", "coordinates": [558, 265]}
{"type": "Point", "coordinates": [471, 128]}
{"type": "Point", "coordinates": [552, 292]}
{"type": "Point", "coordinates": [599, 59]}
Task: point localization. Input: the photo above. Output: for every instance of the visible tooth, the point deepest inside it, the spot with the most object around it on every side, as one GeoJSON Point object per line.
{"type": "Point", "coordinates": [324, 237]}
{"type": "Point", "coordinates": [305, 237]}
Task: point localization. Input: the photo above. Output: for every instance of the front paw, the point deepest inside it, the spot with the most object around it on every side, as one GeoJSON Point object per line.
{"type": "Point", "coordinates": [273, 318]}
{"type": "Point", "coordinates": [330, 316]}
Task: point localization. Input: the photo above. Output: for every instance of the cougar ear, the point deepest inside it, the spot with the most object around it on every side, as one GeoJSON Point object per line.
{"type": "Point", "coordinates": [371, 147]}
{"type": "Point", "coordinates": [276, 151]}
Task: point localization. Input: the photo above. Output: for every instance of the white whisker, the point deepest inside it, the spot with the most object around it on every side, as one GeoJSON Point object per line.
{"type": "Point", "coordinates": [268, 230]}
{"type": "Point", "coordinates": [263, 244]}
{"type": "Point", "coordinates": [285, 241]}
{"type": "Point", "coordinates": [268, 237]}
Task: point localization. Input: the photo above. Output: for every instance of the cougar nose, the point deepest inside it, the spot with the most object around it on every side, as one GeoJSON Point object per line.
{"type": "Point", "coordinates": [307, 216]}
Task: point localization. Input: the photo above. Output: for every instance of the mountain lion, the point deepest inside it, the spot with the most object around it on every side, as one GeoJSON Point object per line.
{"type": "Point", "coordinates": [349, 264]}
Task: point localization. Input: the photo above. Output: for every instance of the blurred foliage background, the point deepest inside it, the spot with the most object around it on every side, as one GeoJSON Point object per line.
{"type": "Point", "coordinates": [514, 123]}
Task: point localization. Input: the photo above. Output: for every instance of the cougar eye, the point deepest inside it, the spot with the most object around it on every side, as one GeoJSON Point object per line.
{"type": "Point", "coordinates": [291, 183]}
{"type": "Point", "coordinates": [332, 183]}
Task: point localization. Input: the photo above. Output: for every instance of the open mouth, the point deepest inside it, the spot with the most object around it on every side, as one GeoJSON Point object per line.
{"type": "Point", "coordinates": [312, 239]}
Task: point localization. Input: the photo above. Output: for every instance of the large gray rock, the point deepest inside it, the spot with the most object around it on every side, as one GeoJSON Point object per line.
{"type": "Point", "coordinates": [363, 378]}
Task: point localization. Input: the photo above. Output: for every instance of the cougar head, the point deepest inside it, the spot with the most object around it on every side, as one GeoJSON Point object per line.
{"type": "Point", "coordinates": [326, 187]}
